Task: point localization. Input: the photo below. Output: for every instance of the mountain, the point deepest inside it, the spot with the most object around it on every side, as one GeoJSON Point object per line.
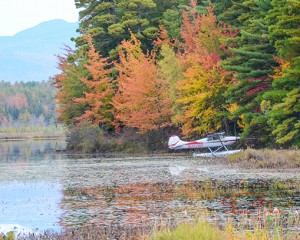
{"type": "Point", "coordinates": [30, 54]}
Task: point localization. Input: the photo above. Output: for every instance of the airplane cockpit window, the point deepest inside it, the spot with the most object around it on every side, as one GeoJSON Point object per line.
{"type": "Point", "coordinates": [215, 137]}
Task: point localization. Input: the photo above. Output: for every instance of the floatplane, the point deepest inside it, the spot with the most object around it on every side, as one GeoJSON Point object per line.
{"type": "Point", "coordinates": [216, 144]}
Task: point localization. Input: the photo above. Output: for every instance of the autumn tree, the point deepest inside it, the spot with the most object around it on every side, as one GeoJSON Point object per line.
{"type": "Point", "coordinates": [170, 67]}
{"type": "Point", "coordinates": [69, 86]}
{"type": "Point", "coordinates": [99, 93]}
{"type": "Point", "coordinates": [201, 99]}
{"type": "Point", "coordinates": [142, 99]}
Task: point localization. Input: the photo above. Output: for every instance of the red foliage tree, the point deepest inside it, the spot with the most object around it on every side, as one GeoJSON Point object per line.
{"type": "Point", "coordinates": [17, 101]}
{"type": "Point", "coordinates": [98, 97]}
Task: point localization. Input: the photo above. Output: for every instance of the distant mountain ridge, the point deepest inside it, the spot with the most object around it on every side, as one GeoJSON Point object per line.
{"type": "Point", "coordinates": [30, 54]}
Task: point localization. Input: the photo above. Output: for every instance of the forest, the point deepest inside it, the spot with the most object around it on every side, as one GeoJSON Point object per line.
{"type": "Point", "coordinates": [185, 66]}
{"type": "Point", "coordinates": [27, 104]}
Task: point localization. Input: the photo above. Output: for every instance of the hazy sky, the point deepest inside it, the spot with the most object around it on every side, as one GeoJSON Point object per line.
{"type": "Point", "coordinates": [17, 15]}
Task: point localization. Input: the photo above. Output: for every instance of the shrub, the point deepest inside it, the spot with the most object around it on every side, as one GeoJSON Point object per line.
{"type": "Point", "coordinates": [86, 138]}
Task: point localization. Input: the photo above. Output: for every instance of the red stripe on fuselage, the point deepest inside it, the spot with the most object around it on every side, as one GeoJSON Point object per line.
{"type": "Point", "coordinates": [174, 144]}
{"type": "Point", "coordinates": [194, 144]}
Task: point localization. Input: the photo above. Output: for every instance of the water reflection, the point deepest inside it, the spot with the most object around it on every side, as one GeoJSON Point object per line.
{"type": "Point", "coordinates": [32, 205]}
{"type": "Point", "coordinates": [30, 197]}
{"type": "Point", "coordinates": [30, 150]}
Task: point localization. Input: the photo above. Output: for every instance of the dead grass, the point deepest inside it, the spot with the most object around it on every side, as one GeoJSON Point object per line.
{"type": "Point", "coordinates": [98, 232]}
{"type": "Point", "coordinates": [266, 158]}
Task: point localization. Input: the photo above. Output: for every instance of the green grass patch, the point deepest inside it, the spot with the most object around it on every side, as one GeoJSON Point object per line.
{"type": "Point", "coordinates": [266, 228]}
{"type": "Point", "coordinates": [198, 231]}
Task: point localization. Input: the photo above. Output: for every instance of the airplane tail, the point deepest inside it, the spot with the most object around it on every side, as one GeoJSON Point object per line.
{"type": "Point", "coordinates": [173, 141]}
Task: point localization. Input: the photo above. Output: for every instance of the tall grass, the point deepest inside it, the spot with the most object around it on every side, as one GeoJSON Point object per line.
{"type": "Point", "coordinates": [268, 227]}
{"type": "Point", "coordinates": [198, 231]}
{"type": "Point", "coordinates": [266, 158]}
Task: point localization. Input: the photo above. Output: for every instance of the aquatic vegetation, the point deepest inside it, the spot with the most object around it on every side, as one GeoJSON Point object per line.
{"type": "Point", "coordinates": [140, 202]}
{"type": "Point", "coordinates": [131, 197]}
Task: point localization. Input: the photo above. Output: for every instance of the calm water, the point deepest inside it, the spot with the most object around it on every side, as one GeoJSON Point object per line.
{"type": "Point", "coordinates": [30, 195]}
{"type": "Point", "coordinates": [41, 188]}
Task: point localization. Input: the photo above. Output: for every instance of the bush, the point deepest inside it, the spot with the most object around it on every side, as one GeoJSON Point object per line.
{"type": "Point", "coordinates": [86, 138]}
{"type": "Point", "coordinates": [91, 139]}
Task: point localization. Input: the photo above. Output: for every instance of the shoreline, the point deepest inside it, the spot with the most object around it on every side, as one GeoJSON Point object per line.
{"type": "Point", "coordinates": [31, 136]}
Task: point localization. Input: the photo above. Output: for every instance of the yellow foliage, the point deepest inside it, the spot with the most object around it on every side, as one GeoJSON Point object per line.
{"type": "Point", "coordinates": [241, 122]}
{"type": "Point", "coordinates": [279, 71]}
{"type": "Point", "coordinates": [232, 108]}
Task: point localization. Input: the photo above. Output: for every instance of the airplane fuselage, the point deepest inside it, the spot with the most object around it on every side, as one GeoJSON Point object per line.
{"type": "Point", "coordinates": [208, 142]}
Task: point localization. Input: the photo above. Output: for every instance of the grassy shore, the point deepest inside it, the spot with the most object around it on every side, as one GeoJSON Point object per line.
{"type": "Point", "coordinates": [265, 158]}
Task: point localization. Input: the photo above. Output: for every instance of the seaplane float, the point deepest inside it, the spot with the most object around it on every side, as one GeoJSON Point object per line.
{"type": "Point", "coordinates": [216, 144]}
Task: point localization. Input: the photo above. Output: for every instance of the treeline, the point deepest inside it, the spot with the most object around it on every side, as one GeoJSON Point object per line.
{"type": "Point", "coordinates": [194, 66]}
{"type": "Point", "coordinates": [27, 104]}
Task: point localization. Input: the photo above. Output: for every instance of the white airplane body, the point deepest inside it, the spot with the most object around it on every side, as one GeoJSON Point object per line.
{"type": "Point", "coordinates": [217, 140]}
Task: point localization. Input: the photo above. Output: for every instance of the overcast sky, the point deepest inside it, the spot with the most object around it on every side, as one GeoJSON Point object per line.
{"type": "Point", "coordinates": [18, 15]}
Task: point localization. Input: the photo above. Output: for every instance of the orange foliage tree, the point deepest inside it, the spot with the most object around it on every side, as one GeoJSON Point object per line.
{"type": "Point", "coordinates": [142, 100]}
{"type": "Point", "coordinates": [200, 93]}
{"type": "Point", "coordinates": [98, 96]}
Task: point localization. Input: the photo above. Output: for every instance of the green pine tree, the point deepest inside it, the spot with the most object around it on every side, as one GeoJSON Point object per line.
{"type": "Point", "coordinates": [252, 63]}
{"type": "Point", "coordinates": [284, 116]}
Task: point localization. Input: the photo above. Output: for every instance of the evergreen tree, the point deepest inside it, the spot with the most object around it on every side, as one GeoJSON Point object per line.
{"type": "Point", "coordinates": [109, 21]}
{"type": "Point", "coordinates": [252, 63]}
{"type": "Point", "coordinates": [284, 30]}
{"type": "Point", "coordinates": [230, 12]}
{"type": "Point", "coordinates": [95, 19]}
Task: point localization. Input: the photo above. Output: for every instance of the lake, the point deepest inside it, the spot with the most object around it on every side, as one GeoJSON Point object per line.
{"type": "Point", "coordinates": [43, 188]}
